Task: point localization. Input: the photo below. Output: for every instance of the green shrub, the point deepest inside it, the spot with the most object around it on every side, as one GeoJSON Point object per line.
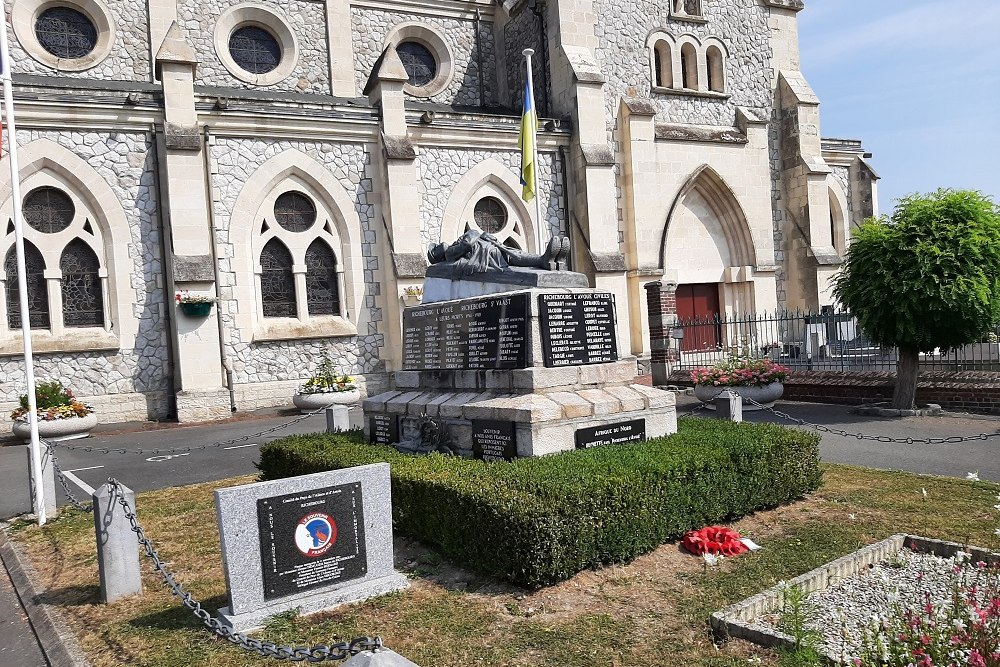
{"type": "Point", "coordinates": [538, 521]}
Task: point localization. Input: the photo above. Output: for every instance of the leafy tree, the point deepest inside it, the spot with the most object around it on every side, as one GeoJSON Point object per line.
{"type": "Point", "coordinates": [927, 277]}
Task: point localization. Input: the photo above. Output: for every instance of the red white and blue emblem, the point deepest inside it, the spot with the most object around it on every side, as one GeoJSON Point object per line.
{"type": "Point", "coordinates": [315, 534]}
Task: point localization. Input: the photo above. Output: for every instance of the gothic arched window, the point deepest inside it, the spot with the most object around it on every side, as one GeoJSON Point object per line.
{"type": "Point", "coordinates": [38, 298]}
{"type": "Point", "coordinates": [82, 300]}
{"type": "Point", "coordinates": [322, 292]}
{"type": "Point", "coordinates": [277, 282]}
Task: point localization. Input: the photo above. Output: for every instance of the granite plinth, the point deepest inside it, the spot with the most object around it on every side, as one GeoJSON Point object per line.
{"type": "Point", "coordinates": [255, 552]}
{"type": "Point", "coordinates": [445, 282]}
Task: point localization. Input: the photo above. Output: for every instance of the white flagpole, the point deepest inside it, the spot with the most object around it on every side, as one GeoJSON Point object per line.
{"type": "Point", "coordinates": [541, 227]}
{"type": "Point", "coordinates": [22, 279]}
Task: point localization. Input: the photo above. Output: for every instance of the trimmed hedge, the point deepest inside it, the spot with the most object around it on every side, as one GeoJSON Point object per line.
{"type": "Point", "coordinates": [542, 520]}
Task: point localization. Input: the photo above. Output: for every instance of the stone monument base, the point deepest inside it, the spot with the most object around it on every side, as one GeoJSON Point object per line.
{"type": "Point", "coordinates": [310, 604]}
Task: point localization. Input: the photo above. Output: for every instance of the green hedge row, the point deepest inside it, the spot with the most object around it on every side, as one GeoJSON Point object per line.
{"type": "Point", "coordinates": [538, 521]}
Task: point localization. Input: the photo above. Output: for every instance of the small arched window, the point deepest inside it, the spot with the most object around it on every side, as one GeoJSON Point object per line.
{"type": "Point", "coordinates": [689, 67]}
{"type": "Point", "coordinates": [38, 298]}
{"type": "Point", "coordinates": [82, 301]}
{"type": "Point", "coordinates": [716, 69]}
{"type": "Point", "coordinates": [663, 65]}
{"type": "Point", "coordinates": [277, 282]}
{"type": "Point", "coordinates": [322, 291]}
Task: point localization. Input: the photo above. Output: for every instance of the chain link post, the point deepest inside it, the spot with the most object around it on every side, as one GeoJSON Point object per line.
{"type": "Point", "coordinates": [117, 555]}
{"type": "Point", "coordinates": [337, 419]}
{"type": "Point", "coordinates": [729, 406]}
{"type": "Point", "coordinates": [48, 479]}
{"type": "Point", "coordinates": [379, 658]}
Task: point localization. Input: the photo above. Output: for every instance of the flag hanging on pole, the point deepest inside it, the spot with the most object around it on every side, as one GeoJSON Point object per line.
{"type": "Point", "coordinates": [529, 128]}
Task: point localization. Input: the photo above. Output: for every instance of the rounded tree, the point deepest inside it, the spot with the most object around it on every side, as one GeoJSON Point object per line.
{"type": "Point", "coordinates": [927, 277]}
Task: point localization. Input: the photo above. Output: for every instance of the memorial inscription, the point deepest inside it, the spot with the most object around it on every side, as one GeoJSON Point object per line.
{"type": "Point", "coordinates": [383, 429]}
{"type": "Point", "coordinates": [494, 440]}
{"type": "Point", "coordinates": [491, 333]}
{"type": "Point", "coordinates": [578, 329]}
{"type": "Point", "coordinates": [312, 539]}
{"type": "Point", "coordinates": [611, 434]}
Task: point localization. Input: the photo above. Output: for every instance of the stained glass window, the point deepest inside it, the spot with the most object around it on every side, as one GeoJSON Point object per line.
{"type": "Point", "coordinates": [277, 282]}
{"type": "Point", "coordinates": [294, 211]}
{"type": "Point", "coordinates": [419, 62]}
{"type": "Point", "coordinates": [255, 49]}
{"type": "Point", "coordinates": [490, 214]}
{"type": "Point", "coordinates": [321, 280]}
{"type": "Point", "coordinates": [65, 32]}
{"type": "Point", "coordinates": [82, 299]}
{"type": "Point", "coordinates": [48, 210]}
{"type": "Point", "coordinates": [38, 298]}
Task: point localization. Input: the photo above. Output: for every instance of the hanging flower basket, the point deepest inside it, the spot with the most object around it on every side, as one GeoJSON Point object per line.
{"type": "Point", "coordinates": [196, 309]}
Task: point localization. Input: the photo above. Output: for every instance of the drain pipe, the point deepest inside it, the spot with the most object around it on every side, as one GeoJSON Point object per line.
{"type": "Point", "coordinates": [227, 364]}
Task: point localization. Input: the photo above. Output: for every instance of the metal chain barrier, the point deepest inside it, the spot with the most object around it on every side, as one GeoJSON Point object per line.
{"type": "Point", "coordinates": [192, 448]}
{"type": "Point", "coordinates": [333, 652]}
{"type": "Point", "coordinates": [62, 479]}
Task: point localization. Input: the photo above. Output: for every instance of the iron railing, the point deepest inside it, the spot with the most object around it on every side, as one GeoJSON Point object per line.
{"type": "Point", "coordinates": [829, 341]}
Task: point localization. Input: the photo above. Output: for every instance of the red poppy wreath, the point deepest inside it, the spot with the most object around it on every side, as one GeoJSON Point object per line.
{"type": "Point", "coordinates": [714, 540]}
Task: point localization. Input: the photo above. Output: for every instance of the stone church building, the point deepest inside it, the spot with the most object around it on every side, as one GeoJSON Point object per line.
{"type": "Point", "coordinates": [293, 160]}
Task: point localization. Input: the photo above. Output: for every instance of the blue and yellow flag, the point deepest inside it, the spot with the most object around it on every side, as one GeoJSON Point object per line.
{"type": "Point", "coordinates": [529, 128]}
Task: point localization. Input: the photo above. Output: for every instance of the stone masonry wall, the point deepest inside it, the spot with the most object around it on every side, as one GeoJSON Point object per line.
{"type": "Point", "coordinates": [624, 25]}
{"type": "Point", "coordinates": [127, 162]}
{"type": "Point", "coordinates": [306, 19]}
{"type": "Point", "coordinates": [129, 59]}
{"type": "Point", "coordinates": [372, 26]}
{"type": "Point", "coordinates": [523, 31]}
{"type": "Point", "coordinates": [235, 161]}
{"type": "Point", "coordinates": [440, 169]}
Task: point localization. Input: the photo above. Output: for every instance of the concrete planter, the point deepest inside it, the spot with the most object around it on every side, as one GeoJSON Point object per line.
{"type": "Point", "coordinates": [58, 429]}
{"type": "Point", "coordinates": [765, 395]}
{"type": "Point", "coordinates": [312, 402]}
{"type": "Point", "coordinates": [410, 300]}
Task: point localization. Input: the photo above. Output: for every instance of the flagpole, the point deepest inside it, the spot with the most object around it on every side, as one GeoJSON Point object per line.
{"type": "Point", "coordinates": [540, 233]}
{"type": "Point", "coordinates": [22, 278]}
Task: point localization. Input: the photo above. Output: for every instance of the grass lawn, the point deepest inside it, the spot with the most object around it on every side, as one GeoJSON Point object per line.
{"type": "Point", "coordinates": [651, 613]}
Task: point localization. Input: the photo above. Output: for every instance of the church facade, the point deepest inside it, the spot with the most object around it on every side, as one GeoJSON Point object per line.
{"type": "Point", "coordinates": [293, 160]}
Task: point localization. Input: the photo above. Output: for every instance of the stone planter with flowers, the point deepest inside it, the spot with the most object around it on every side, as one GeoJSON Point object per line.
{"type": "Point", "coordinates": [326, 388]}
{"type": "Point", "coordinates": [756, 380]}
{"type": "Point", "coordinates": [412, 296]}
{"type": "Point", "coordinates": [60, 416]}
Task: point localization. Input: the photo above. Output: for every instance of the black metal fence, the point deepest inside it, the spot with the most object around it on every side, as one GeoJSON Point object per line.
{"type": "Point", "coordinates": [830, 341]}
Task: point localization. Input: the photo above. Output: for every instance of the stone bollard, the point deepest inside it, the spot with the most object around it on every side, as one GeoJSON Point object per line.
{"type": "Point", "coordinates": [380, 658]}
{"type": "Point", "coordinates": [729, 406]}
{"type": "Point", "coordinates": [117, 548]}
{"type": "Point", "coordinates": [48, 481]}
{"type": "Point", "coordinates": [338, 419]}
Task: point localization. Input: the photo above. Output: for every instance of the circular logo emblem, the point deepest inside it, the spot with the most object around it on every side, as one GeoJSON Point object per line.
{"type": "Point", "coordinates": [315, 534]}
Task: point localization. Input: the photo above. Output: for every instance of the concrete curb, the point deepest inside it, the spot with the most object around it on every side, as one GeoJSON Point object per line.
{"type": "Point", "coordinates": [931, 410]}
{"type": "Point", "coordinates": [58, 643]}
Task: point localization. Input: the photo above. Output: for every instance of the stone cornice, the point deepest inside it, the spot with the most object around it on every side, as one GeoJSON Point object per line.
{"type": "Point", "coordinates": [793, 5]}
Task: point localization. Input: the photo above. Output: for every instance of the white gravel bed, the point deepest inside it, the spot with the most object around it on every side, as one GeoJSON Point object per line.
{"type": "Point", "coordinates": [842, 612]}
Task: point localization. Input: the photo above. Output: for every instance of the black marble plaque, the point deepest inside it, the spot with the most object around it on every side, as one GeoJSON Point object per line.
{"type": "Point", "coordinates": [383, 429]}
{"type": "Point", "coordinates": [493, 440]}
{"type": "Point", "coordinates": [488, 333]}
{"type": "Point", "coordinates": [578, 329]}
{"type": "Point", "coordinates": [311, 539]}
{"type": "Point", "coordinates": [611, 434]}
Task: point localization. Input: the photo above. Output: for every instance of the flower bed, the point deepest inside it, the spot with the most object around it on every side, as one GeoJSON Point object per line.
{"type": "Point", "coordinates": [53, 401]}
{"type": "Point", "coordinates": [740, 372]}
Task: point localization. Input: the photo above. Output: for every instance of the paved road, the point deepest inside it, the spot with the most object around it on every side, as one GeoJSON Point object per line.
{"type": "Point", "coordinates": [18, 644]}
{"type": "Point", "coordinates": [143, 472]}
{"type": "Point", "coordinates": [951, 459]}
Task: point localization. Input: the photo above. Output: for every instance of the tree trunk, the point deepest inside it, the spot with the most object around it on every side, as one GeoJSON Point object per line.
{"type": "Point", "coordinates": [906, 378]}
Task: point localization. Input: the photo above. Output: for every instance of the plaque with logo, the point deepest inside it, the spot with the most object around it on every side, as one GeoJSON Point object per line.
{"type": "Point", "coordinates": [493, 440]}
{"type": "Point", "coordinates": [611, 434]}
{"type": "Point", "coordinates": [383, 429]}
{"type": "Point", "coordinates": [578, 329]}
{"type": "Point", "coordinates": [311, 539]}
{"type": "Point", "coordinates": [482, 334]}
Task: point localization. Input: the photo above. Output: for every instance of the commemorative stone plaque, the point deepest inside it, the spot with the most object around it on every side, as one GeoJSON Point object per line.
{"type": "Point", "coordinates": [383, 429]}
{"type": "Point", "coordinates": [578, 329]}
{"type": "Point", "coordinates": [493, 440]}
{"type": "Point", "coordinates": [611, 434]}
{"type": "Point", "coordinates": [489, 333]}
{"type": "Point", "coordinates": [311, 543]}
{"type": "Point", "coordinates": [311, 539]}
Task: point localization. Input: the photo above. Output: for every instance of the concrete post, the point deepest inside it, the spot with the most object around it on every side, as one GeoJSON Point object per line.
{"type": "Point", "coordinates": [729, 406]}
{"type": "Point", "coordinates": [48, 481]}
{"type": "Point", "coordinates": [381, 658]}
{"type": "Point", "coordinates": [337, 419]}
{"type": "Point", "coordinates": [117, 548]}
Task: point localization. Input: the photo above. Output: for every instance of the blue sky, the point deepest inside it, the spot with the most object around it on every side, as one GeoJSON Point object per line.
{"type": "Point", "coordinates": [917, 80]}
